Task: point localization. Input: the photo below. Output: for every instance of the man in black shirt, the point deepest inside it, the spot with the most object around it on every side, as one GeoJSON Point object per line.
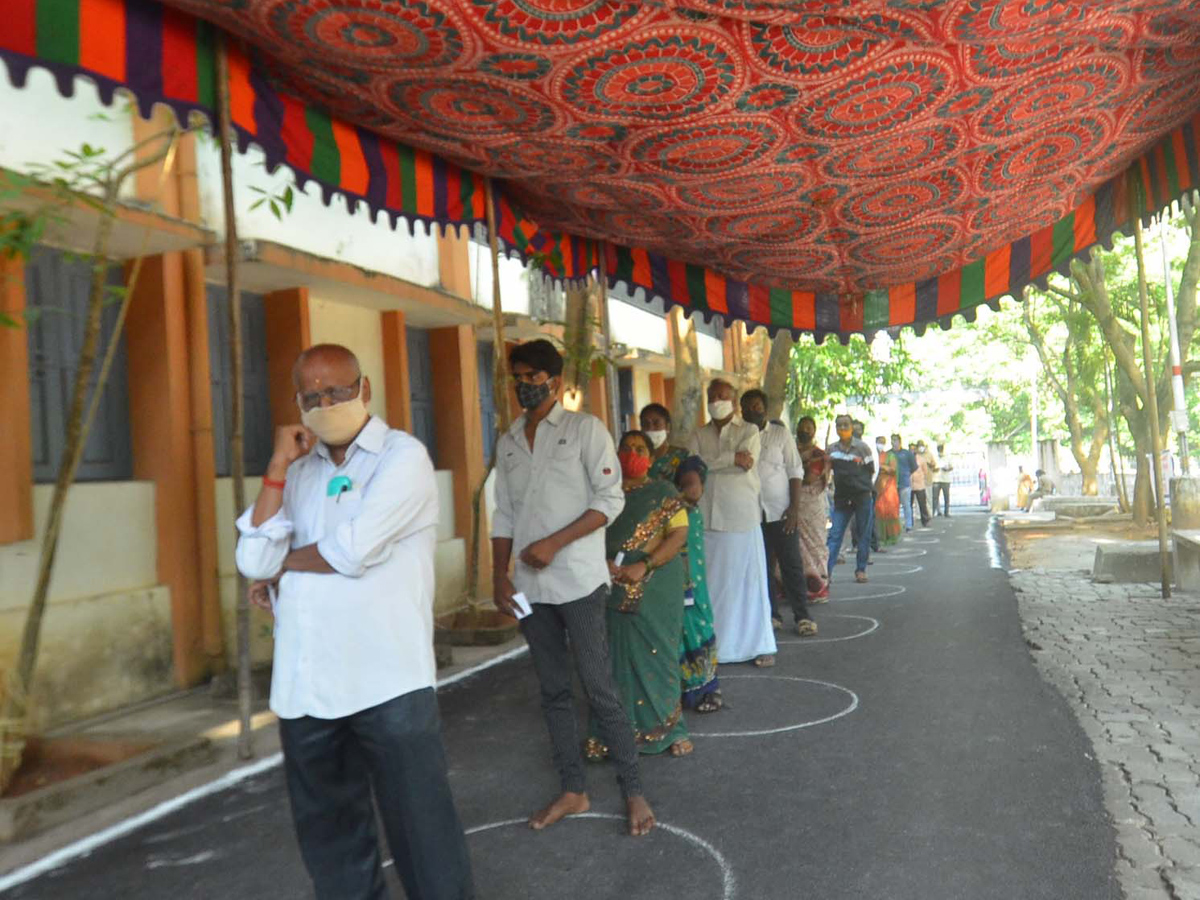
{"type": "Point", "coordinates": [853, 482]}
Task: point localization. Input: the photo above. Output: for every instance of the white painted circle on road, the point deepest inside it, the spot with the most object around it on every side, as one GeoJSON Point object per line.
{"type": "Point", "coordinates": [853, 705]}
{"type": "Point", "coordinates": [872, 626]}
{"type": "Point", "coordinates": [888, 590]}
{"type": "Point", "coordinates": [729, 880]}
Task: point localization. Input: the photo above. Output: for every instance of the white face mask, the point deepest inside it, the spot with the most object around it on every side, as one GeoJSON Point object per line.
{"type": "Point", "coordinates": [657, 438]}
{"type": "Point", "coordinates": [337, 424]}
{"type": "Point", "coordinates": [720, 409]}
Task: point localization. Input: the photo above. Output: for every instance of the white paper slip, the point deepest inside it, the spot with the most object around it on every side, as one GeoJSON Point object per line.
{"type": "Point", "coordinates": [689, 598]}
{"type": "Point", "coordinates": [522, 604]}
{"type": "Point", "coordinates": [619, 559]}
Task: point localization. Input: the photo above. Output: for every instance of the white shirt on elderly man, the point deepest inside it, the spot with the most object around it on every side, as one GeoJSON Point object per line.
{"type": "Point", "coordinates": [778, 462]}
{"type": "Point", "coordinates": [731, 494]}
{"type": "Point", "coordinates": [572, 468]}
{"type": "Point", "coordinates": [347, 641]}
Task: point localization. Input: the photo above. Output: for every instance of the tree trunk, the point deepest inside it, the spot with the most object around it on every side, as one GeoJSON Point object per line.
{"type": "Point", "coordinates": [688, 391]}
{"type": "Point", "coordinates": [577, 339]}
{"type": "Point", "coordinates": [779, 366]}
{"type": "Point", "coordinates": [1089, 469]}
{"type": "Point", "coordinates": [1143, 487]}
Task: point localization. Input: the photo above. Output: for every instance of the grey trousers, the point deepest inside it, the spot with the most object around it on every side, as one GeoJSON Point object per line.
{"type": "Point", "coordinates": [393, 751]}
{"type": "Point", "coordinates": [556, 634]}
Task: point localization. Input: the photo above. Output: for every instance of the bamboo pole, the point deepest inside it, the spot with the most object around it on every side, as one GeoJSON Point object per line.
{"type": "Point", "coordinates": [237, 463]}
{"type": "Point", "coordinates": [1151, 396]}
{"type": "Point", "coordinates": [612, 383]}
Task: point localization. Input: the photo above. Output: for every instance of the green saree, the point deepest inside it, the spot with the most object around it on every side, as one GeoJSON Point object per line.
{"type": "Point", "coordinates": [645, 621]}
{"type": "Point", "coordinates": [664, 467]}
{"type": "Point", "coordinates": [698, 649]}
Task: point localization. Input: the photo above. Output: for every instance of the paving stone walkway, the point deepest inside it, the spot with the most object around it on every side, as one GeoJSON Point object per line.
{"type": "Point", "coordinates": [1128, 662]}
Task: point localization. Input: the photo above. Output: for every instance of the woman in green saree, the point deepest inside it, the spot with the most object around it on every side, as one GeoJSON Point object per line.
{"type": "Point", "coordinates": [645, 606]}
{"type": "Point", "coordinates": [656, 425]}
{"type": "Point", "coordinates": [698, 649]}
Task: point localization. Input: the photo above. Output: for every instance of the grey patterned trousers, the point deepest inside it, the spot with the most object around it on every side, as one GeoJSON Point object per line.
{"type": "Point", "coordinates": [555, 634]}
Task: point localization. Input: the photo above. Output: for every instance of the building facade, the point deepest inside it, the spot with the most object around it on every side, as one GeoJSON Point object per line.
{"type": "Point", "coordinates": [143, 595]}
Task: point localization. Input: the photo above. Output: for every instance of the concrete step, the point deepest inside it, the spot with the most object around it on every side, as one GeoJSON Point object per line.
{"type": "Point", "coordinates": [1127, 562]}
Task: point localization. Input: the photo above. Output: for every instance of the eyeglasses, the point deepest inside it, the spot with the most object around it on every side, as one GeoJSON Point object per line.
{"type": "Point", "coordinates": [312, 399]}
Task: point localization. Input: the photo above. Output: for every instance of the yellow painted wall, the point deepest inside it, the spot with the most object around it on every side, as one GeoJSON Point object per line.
{"type": "Point", "coordinates": [106, 635]}
{"type": "Point", "coordinates": [359, 329]}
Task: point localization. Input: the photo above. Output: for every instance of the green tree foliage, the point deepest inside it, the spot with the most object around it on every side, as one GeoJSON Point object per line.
{"type": "Point", "coordinates": [825, 377]}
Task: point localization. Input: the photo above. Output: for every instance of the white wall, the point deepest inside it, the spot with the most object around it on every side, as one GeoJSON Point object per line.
{"type": "Point", "coordinates": [37, 125]}
{"type": "Point", "coordinates": [514, 280]}
{"type": "Point", "coordinates": [637, 328]}
{"type": "Point", "coordinates": [358, 328]}
{"type": "Point", "coordinates": [711, 352]}
{"type": "Point", "coordinates": [326, 231]}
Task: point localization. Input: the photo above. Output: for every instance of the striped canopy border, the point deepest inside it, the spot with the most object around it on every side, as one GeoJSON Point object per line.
{"type": "Point", "coordinates": [164, 56]}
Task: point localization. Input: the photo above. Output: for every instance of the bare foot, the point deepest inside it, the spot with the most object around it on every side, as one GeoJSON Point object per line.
{"type": "Point", "coordinates": [568, 804]}
{"type": "Point", "coordinates": [641, 816]}
{"type": "Point", "coordinates": [682, 748]}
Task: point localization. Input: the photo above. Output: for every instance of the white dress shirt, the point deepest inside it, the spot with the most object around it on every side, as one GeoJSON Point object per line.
{"type": "Point", "coordinates": [350, 640]}
{"type": "Point", "coordinates": [572, 468]}
{"type": "Point", "coordinates": [778, 462]}
{"type": "Point", "coordinates": [731, 494]}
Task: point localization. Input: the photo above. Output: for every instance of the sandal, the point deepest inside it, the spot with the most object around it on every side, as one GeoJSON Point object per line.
{"type": "Point", "coordinates": [860, 577]}
{"type": "Point", "coordinates": [765, 661]}
{"type": "Point", "coordinates": [777, 623]}
{"type": "Point", "coordinates": [682, 748]}
{"type": "Point", "coordinates": [806, 628]}
{"type": "Point", "coordinates": [710, 703]}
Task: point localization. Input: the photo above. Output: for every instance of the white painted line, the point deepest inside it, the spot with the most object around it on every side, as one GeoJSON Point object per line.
{"type": "Point", "coordinates": [995, 557]}
{"type": "Point", "coordinates": [902, 554]}
{"type": "Point", "coordinates": [91, 842]}
{"type": "Point", "coordinates": [874, 626]}
{"type": "Point", "coordinates": [727, 876]}
{"type": "Point", "coordinates": [765, 731]}
{"type": "Point", "coordinates": [86, 845]}
{"type": "Point", "coordinates": [475, 670]}
{"type": "Point", "coordinates": [889, 590]}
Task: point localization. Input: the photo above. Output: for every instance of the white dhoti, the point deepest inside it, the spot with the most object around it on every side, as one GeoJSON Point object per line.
{"type": "Point", "coordinates": [737, 586]}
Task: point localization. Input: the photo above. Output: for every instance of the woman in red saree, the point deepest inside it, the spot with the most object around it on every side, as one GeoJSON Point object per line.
{"type": "Point", "coordinates": [888, 525]}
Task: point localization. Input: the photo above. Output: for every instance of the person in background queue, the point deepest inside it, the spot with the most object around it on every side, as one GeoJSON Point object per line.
{"type": "Point", "coordinates": [645, 608]}
{"type": "Point", "coordinates": [919, 483]}
{"type": "Point", "coordinates": [781, 474]}
{"type": "Point", "coordinates": [655, 420]}
{"type": "Point", "coordinates": [814, 511]}
{"type": "Point", "coordinates": [737, 563]}
{"type": "Point", "coordinates": [853, 481]}
{"type": "Point", "coordinates": [558, 485]}
{"type": "Point", "coordinates": [341, 544]}
{"type": "Point", "coordinates": [888, 525]}
{"type": "Point", "coordinates": [906, 464]}
{"type": "Point", "coordinates": [942, 467]}
{"type": "Point", "coordinates": [859, 430]}
{"type": "Point", "coordinates": [698, 650]}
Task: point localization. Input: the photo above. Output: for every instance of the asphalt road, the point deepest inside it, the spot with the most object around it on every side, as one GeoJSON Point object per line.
{"type": "Point", "coordinates": [922, 760]}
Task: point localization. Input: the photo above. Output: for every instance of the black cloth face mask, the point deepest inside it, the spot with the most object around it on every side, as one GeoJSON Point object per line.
{"type": "Point", "coordinates": [531, 396]}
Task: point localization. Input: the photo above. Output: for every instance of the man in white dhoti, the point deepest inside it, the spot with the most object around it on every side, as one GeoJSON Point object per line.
{"type": "Point", "coordinates": [733, 541]}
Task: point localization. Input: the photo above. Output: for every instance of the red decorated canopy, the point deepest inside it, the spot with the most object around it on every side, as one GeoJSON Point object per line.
{"type": "Point", "coordinates": [829, 166]}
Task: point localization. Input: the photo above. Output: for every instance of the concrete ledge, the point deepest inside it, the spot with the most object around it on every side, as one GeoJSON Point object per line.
{"type": "Point", "coordinates": [1079, 507]}
{"type": "Point", "coordinates": [1186, 558]}
{"type": "Point", "coordinates": [1127, 562]}
{"type": "Point", "coordinates": [24, 816]}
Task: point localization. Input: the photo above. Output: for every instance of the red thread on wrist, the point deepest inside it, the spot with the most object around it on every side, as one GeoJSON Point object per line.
{"type": "Point", "coordinates": [272, 483]}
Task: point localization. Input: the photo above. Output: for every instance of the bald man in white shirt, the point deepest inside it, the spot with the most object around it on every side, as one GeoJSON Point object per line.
{"type": "Point", "coordinates": [341, 540]}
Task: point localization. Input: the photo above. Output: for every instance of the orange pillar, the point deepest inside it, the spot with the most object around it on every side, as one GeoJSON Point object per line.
{"type": "Point", "coordinates": [160, 427]}
{"type": "Point", "coordinates": [597, 399]}
{"type": "Point", "coordinates": [16, 447]}
{"type": "Point", "coordinates": [287, 328]}
{"type": "Point", "coordinates": [459, 429]}
{"type": "Point", "coordinates": [658, 390]}
{"type": "Point", "coordinates": [395, 370]}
